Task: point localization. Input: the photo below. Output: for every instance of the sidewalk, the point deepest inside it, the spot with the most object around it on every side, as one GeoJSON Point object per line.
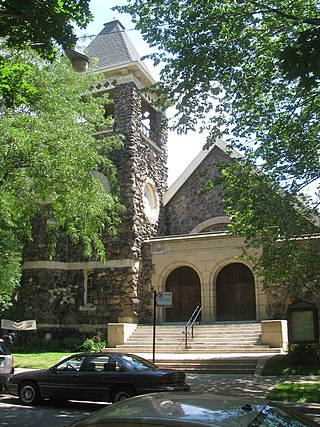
{"type": "Point", "coordinates": [251, 385]}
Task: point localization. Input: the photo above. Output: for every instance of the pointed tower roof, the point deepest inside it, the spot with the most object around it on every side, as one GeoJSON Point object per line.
{"type": "Point", "coordinates": [113, 48]}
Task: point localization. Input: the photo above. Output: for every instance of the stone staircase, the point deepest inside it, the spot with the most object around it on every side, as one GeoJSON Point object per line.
{"type": "Point", "coordinates": [229, 365]}
{"type": "Point", "coordinates": [219, 348]}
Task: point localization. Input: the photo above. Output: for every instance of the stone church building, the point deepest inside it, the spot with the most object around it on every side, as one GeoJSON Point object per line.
{"type": "Point", "coordinates": [170, 239]}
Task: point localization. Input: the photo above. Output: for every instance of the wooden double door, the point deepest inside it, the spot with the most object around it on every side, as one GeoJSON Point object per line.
{"type": "Point", "coordinates": [184, 283]}
{"type": "Point", "coordinates": [236, 293]}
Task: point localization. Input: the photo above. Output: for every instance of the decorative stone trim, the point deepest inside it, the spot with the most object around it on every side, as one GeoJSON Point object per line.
{"type": "Point", "coordinates": [118, 333]}
{"type": "Point", "coordinates": [274, 333]}
{"type": "Point", "coordinates": [209, 222]}
{"type": "Point", "coordinates": [55, 265]}
{"type": "Point", "coordinates": [87, 308]}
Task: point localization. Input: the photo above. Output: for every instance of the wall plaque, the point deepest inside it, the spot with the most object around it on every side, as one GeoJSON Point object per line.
{"type": "Point", "coordinates": [302, 323]}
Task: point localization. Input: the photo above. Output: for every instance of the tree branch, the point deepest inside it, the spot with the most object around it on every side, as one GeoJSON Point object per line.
{"type": "Point", "coordinates": [263, 7]}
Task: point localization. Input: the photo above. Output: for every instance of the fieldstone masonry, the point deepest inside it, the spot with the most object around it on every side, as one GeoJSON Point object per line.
{"type": "Point", "coordinates": [54, 295]}
{"type": "Point", "coordinates": [188, 207]}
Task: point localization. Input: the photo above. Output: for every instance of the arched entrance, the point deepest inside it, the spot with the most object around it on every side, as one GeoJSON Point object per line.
{"type": "Point", "coordinates": [236, 293]}
{"type": "Point", "coordinates": [184, 283]}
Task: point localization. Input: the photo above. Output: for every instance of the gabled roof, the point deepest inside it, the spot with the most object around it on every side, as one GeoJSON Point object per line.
{"type": "Point", "coordinates": [113, 47]}
{"type": "Point", "coordinates": [193, 166]}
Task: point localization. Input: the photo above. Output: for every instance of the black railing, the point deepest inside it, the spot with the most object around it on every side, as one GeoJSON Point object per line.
{"type": "Point", "coordinates": [189, 325]}
{"type": "Point", "coordinates": [148, 132]}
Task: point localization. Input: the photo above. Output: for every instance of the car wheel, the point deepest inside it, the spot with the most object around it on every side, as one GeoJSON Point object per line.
{"type": "Point", "coordinates": [29, 393]}
{"type": "Point", "coordinates": [122, 393]}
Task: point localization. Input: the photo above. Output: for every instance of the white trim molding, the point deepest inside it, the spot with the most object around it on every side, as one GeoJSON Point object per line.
{"type": "Point", "coordinates": [87, 265]}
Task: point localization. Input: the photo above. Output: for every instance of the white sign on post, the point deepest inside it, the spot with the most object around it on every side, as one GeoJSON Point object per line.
{"type": "Point", "coordinates": [164, 299]}
{"type": "Point", "coordinates": [25, 325]}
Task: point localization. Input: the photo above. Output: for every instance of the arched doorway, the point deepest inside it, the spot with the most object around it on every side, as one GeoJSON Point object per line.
{"type": "Point", "coordinates": [184, 283]}
{"type": "Point", "coordinates": [236, 293]}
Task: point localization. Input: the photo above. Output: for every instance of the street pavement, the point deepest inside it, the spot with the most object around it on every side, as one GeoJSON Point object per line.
{"type": "Point", "coordinates": [226, 384]}
{"type": "Point", "coordinates": [252, 385]}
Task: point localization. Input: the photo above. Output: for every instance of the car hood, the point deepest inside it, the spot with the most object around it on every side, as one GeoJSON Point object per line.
{"type": "Point", "coordinates": [29, 374]}
{"type": "Point", "coordinates": [191, 407]}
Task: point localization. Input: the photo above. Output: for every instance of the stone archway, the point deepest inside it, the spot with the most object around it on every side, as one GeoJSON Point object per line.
{"type": "Point", "coordinates": [184, 283]}
{"type": "Point", "coordinates": [236, 293]}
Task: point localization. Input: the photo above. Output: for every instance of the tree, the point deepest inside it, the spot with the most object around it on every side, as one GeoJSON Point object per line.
{"type": "Point", "coordinates": [48, 156]}
{"type": "Point", "coordinates": [42, 23]}
{"type": "Point", "coordinates": [248, 71]}
{"type": "Point", "coordinates": [274, 220]}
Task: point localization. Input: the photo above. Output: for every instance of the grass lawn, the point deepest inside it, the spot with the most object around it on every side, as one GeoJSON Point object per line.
{"type": "Point", "coordinates": [293, 391]}
{"type": "Point", "coordinates": [296, 392]}
{"type": "Point", "coordinates": [37, 360]}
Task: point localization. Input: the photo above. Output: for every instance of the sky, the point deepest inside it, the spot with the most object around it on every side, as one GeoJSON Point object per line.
{"type": "Point", "coordinates": [182, 149]}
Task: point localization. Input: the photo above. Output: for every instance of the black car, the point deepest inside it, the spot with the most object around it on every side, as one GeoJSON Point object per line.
{"type": "Point", "coordinates": [103, 377]}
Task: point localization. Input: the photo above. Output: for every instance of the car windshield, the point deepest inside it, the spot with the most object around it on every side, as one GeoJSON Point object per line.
{"type": "Point", "coordinates": [275, 417]}
{"type": "Point", "coordinates": [137, 363]}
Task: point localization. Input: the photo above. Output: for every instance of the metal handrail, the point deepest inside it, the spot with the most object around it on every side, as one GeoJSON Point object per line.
{"type": "Point", "coordinates": [148, 132]}
{"type": "Point", "coordinates": [191, 322]}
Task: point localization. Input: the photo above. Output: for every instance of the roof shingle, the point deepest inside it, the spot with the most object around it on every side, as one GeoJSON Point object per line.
{"type": "Point", "coordinates": [113, 47]}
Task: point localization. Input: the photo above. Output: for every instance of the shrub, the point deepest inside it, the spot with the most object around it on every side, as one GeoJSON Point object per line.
{"type": "Point", "coordinates": [303, 353]}
{"type": "Point", "coordinates": [70, 344]}
{"type": "Point", "coordinates": [93, 344]}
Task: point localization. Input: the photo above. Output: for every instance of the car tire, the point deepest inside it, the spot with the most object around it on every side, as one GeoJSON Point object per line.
{"type": "Point", "coordinates": [29, 393]}
{"type": "Point", "coordinates": [122, 393]}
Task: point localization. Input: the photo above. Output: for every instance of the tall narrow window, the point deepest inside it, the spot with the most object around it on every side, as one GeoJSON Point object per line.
{"type": "Point", "coordinates": [88, 287]}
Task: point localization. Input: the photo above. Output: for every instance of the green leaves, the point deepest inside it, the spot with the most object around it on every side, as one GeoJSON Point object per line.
{"type": "Point", "coordinates": [301, 60]}
{"type": "Point", "coordinates": [14, 87]}
{"type": "Point", "coordinates": [280, 229]}
{"type": "Point", "coordinates": [48, 157]}
{"type": "Point", "coordinates": [248, 71]}
{"type": "Point", "coordinates": [42, 24]}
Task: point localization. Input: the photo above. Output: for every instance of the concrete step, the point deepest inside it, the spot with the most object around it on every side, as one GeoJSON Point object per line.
{"type": "Point", "coordinates": [217, 350]}
{"type": "Point", "coordinates": [196, 340]}
{"type": "Point", "coordinates": [212, 366]}
{"type": "Point", "coordinates": [192, 345]}
{"type": "Point", "coordinates": [201, 331]}
{"type": "Point", "coordinates": [211, 339]}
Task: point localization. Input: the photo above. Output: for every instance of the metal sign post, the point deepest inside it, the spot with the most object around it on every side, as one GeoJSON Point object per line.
{"type": "Point", "coordinates": [164, 300]}
{"type": "Point", "coordinates": [154, 326]}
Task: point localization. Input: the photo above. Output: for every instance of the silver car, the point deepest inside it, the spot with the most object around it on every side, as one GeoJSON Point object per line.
{"type": "Point", "coordinates": [194, 409]}
{"type": "Point", "coordinates": [6, 363]}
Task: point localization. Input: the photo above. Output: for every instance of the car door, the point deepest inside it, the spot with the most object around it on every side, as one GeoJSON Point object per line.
{"type": "Point", "coordinates": [97, 377]}
{"type": "Point", "coordinates": [62, 379]}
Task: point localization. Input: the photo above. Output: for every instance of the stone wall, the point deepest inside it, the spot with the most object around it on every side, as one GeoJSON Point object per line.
{"type": "Point", "coordinates": [279, 299]}
{"type": "Point", "coordinates": [188, 207]}
{"type": "Point", "coordinates": [52, 291]}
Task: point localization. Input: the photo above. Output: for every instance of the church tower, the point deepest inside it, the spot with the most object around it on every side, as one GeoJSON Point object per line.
{"type": "Point", "coordinates": [71, 293]}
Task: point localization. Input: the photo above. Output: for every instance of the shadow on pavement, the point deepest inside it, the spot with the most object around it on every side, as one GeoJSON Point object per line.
{"type": "Point", "coordinates": [48, 413]}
